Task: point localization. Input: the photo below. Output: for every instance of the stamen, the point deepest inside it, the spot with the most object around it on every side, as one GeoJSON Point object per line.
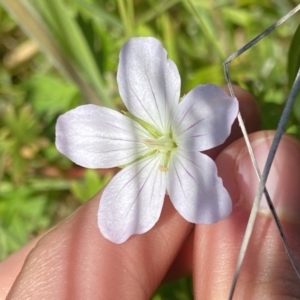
{"type": "Point", "coordinates": [163, 144]}
{"type": "Point", "coordinates": [163, 169]}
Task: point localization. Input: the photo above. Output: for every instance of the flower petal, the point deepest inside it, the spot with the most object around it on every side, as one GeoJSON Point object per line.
{"type": "Point", "coordinates": [98, 137]}
{"type": "Point", "coordinates": [195, 189]}
{"type": "Point", "coordinates": [149, 83]}
{"type": "Point", "coordinates": [203, 118]}
{"type": "Point", "coordinates": [132, 201]}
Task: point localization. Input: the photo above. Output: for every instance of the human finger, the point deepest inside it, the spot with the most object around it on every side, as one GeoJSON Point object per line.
{"type": "Point", "coordinates": [249, 110]}
{"type": "Point", "coordinates": [267, 272]}
{"type": "Point", "coordinates": [74, 261]}
{"type": "Point", "coordinates": [250, 113]}
{"type": "Point", "coordinates": [183, 261]}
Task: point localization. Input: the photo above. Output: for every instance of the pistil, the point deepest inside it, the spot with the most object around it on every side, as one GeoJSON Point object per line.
{"type": "Point", "coordinates": [163, 144]}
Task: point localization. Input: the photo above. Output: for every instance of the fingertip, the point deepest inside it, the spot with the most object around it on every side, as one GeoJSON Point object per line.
{"type": "Point", "coordinates": [250, 113]}
{"type": "Point", "coordinates": [249, 108]}
{"type": "Point", "coordinates": [283, 180]}
{"type": "Point", "coordinates": [266, 272]}
{"type": "Point", "coordinates": [75, 261]}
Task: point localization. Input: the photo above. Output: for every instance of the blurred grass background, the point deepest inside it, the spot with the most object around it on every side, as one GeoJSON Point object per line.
{"type": "Point", "coordinates": [58, 54]}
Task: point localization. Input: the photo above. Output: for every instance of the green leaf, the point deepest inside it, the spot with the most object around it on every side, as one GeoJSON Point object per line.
{"type": "Point", "coordinates": [99, 14]}
{"type": "Point", "coordinates": [296, 109]}
{"type": "Point", "coordinates": [201, 10]}
{"type": "Point", "coordinates": [46, 91]}
{"type": "Point", "coordinates": [52, 26]}
{"type": "Point", "coordinates": [207, 74]}
{"type": "Point", "coordinates": [67, 32]}
{"type": "Point", "coordinates": [87, 187]}
{"type": "Point", "coordinates": [21, 214]}
{"type": "Point", "coordinates": [97, 46]}
{"type": "Point", "coordinates": [294, 57]}
{"type": "Point", "coordinates": [238, 16]}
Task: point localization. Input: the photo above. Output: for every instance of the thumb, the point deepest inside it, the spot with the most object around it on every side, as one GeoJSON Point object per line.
{"type": "Point", "coordinates": [266, 272]}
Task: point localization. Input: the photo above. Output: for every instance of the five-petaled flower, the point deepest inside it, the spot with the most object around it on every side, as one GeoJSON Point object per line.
{"type": "Point", "coordinates": [158, 142]}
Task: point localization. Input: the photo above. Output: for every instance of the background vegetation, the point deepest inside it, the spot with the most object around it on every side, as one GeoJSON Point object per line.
{"type": "Point", "coordinates": [80, 41]}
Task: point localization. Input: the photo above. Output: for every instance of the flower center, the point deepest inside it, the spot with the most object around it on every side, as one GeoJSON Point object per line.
{"type": "Point", "coordinates": [164, 144]}
{"type": "Point", "coordinates": [160, 143]}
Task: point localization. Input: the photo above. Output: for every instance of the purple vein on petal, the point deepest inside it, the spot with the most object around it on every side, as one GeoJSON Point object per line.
{"type": "Point", "coordinates": [192, 161]}
{"type": "Point", "coordinates": [152, 191]}
{"type": "Point", "coordinates": [198, 135]}
{"type": "Point", "coordinates": [155, 100]}
{"type": "Point", "coordinates": [190, 173]}
{"type": "Point", "coordinates": [147, 112]}
{"type": "Point", "coordinates": [166, 105]}
{"type": "Point", "coordinates": [123, 129]}
{"type": "Point", "coordinates": [135, 175]}
{"type": "Point", "coordinates": [106, 138]}
{"type": "Point", "coordinates": [178, 177]}
{"type": "Point", "coordinates": [199, 121]}
{"type": "Point", "coordinates": [121, 149]}
{"type": "Point", "coordinates": [185, 114]}
{"type": "Point", "coordinates": [141, 186]}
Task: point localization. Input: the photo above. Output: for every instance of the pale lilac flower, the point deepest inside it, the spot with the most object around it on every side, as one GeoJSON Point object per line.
{"type": "Point", "coordinates": [158, 142]}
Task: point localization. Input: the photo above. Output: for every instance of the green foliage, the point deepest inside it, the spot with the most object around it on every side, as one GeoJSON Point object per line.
{"type": "Point", "coordinates": [294, 57]}
{"type": "Point", "coordinates": [90, 184]}
{"type": "Point", "coordinates": [48, 90]}
{"type": "Point", "coordinates": [19, 139]}
{"type": "Point", "coordinates": [71, 39]}
{"type": "Point", "coordinates": [18, 218]}
{"type": "Point", "coordinates": [178, 290]}
{"type": "Point", "coordinates": [82, 38]}
{"type": "Point", "coordinates": [292, 69]}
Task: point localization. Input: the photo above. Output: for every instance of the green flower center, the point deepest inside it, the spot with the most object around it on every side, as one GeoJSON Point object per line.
{"type": "Point", "coordinates": [162, 143]}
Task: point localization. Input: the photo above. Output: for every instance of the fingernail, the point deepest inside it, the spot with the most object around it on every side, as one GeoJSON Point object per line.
{"type": "Point", "coordinates": [283, 183]}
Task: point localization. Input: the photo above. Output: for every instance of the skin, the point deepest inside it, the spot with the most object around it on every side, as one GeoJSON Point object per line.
{"type": "Point", "coordinates": [73, 260]}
